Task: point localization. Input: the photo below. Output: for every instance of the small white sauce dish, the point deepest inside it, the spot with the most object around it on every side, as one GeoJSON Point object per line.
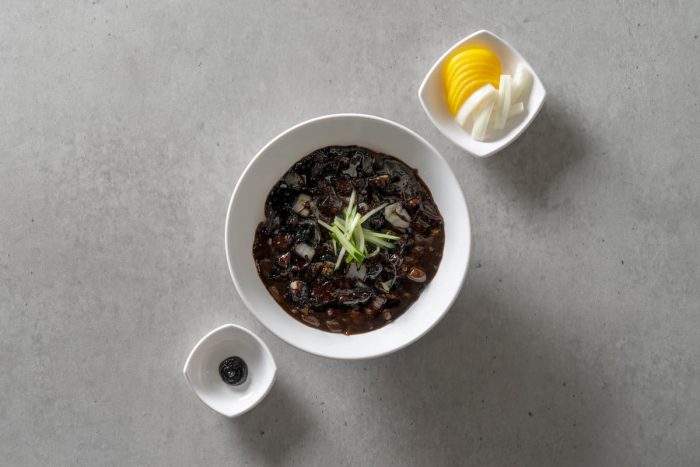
{"type": "Point", "coordinates": [202, 370]}
{"type": "Point", "coordinates": [433, 99]}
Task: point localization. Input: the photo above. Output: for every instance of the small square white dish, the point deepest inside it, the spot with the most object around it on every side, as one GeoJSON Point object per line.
{"type": "Point", "coordinates": [434, 102]}
{"type": "Point", "coordinates": [202, 370]}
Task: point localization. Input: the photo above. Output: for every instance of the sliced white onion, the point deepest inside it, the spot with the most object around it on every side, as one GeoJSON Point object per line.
{"type": "Point", "coordinates": [305, 251]}
{"type": "Point", "coordinates": [481, 121]}
{"type": "Point", "coordinates": [522, 80]}
{"type": "Point", "coordinates": [482, 95]}
{"type": "Point", "coordinates": [516, 109]}
{"type": "Point", "coordinates": [503, 105]}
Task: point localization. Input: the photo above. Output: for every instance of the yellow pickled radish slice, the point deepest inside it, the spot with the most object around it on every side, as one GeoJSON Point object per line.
{"type": "Point", "coordinates": [455, 92]}
{"type": "Point", "coordinates": [464, 72]}
{"type": "Point", "coordinates": [467, 64]}
{"type": "Point", "coordinates": [471, 54]}
{"type": "Point", "coordinates": [462, 62]}
{"type": "Point", "coordinates": [464, 78]}
{"type": "Point", "coordinates": [467, 90]}
{"type": "Point", "coordinates": [468, 70]}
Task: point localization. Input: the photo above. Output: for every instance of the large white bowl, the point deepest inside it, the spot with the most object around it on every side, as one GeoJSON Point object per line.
{"type": "Point", "coordinates": [246, 211]}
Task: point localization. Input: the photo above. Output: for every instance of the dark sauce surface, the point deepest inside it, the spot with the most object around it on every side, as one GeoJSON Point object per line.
{"type": "Point", "coordinates": [294, 254]}
{"type": "Point", "coordinates": [233, 371]}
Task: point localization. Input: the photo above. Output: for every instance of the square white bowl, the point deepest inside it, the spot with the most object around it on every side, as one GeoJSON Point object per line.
{"type": "Point", "coordinates": [202, 370]}
{"type": "Point", "coordinates": [434, 100]}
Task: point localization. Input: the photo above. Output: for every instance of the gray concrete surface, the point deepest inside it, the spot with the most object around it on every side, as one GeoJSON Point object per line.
{"type": "Point", "coordinates": [125, 125]}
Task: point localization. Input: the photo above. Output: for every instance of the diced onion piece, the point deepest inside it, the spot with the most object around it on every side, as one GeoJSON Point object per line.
{"type": "Point", "coordinates": [522, 80]}
{"type": "Point", "coordinates": [516, 109]}
{"type": "Point", "coordinates": [481, 122]}
{"type": "Point", "coordinates": [503, 105]}
{"type": "Point", "coordinates": [482, 95]}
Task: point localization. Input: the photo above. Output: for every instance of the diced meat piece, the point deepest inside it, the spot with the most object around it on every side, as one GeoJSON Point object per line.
{"type": "Point", "coordinates": [281, 241]}
{"type": "Point", "coordinates": [283, 260]}
{"type": "Point", "coordinates": [421, 224]}
{"type": "Point", "coordinates": [343, 187]}
{"type": "Point", "coordinates": [312, 320]}
{"type": "Point", "coordinates": [323, 294]}
{"type": "Point", "coordinates": [378, 182]}
{"type": "Point", "coordinates": [298, 291]}
{"type": "Point", "coordinates": [330, 206]}
{"type": "Point", "coordinates": [323, 268]}
{"type": "Point", "coordinates": [334, 326]}
{"type": "Point", "coordinates": [429, 210]}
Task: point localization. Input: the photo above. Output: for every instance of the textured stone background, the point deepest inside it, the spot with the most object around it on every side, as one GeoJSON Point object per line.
{"type": "Point", "coordinates": [125, 126]}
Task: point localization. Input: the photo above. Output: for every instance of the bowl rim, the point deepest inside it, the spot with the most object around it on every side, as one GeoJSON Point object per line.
{"type": "Point", "coordinates": [462, 272]}
{"type": "Point", "coordinates": [266, 351]}
{"type": "Point", "coordinates": [530, 117]}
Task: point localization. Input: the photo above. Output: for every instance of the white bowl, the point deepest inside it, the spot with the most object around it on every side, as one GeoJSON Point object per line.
{"type": "Point", "coordinates": [246, 211]}
{"type": "Point", "coordinates": [202, 370]}
{"type": "Point", "coordinates": [432, 97]}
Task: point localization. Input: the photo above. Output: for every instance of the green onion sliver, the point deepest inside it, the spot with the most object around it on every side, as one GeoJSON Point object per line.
{"type": "Point", "coordinates": [340, 258]}
{"type": "Point", "coordinates": [371, 213]}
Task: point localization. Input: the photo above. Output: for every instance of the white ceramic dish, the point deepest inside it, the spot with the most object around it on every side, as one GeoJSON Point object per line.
{"type": "Point", "coordinates": [433, 99]}
{"type": "Point", "coordinates": [246, 211]}
{"type": "Point", "coordinates": [202, 370]}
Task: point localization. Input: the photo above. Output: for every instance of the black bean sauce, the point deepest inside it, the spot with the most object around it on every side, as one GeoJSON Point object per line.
{"type": "Point", "coordinates": [294, 255]}
{"type": "Point", "coordinates": [233, 371]}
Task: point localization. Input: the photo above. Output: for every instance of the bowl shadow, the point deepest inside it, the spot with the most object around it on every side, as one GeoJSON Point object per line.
{"type": "Point", "coordinates": [551, 144]}
{"type": "Point", "coordinates": [495, 384]}
{"type": "Point", "coordinates": [498, 382]}
{"type": "Point", "coordinates": [274, 428]}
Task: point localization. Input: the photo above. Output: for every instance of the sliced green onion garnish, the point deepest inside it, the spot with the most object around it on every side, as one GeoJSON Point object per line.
{"type": "Point", "coordinates": [353, 239]}
{"type": "Point", "coordinates": [323, 224]}
{"type": "Point", "coordinates": [382, 235]}
{"type": "Point", "coordinates": [360, 237]}
{"type": "Point", "coordinates": [340, 257]}
{"type": "Point", "coordinates": [371, 213]}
